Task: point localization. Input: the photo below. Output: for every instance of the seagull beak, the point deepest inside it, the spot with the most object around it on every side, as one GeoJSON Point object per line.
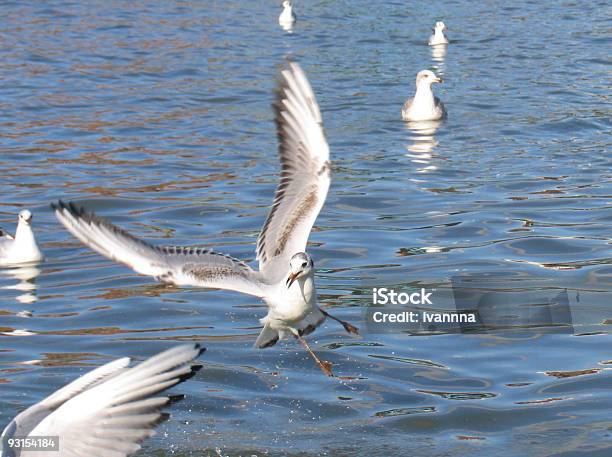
{"type": "Point", "coordinates": [292, 277]}
{"type": "Point", "coordinates": [438, 80]}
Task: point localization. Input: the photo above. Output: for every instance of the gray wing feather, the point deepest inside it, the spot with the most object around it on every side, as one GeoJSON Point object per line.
{"type": "Point", "coordinates": [440, 107]}
{"type": "Point", "coordinates": [406, 107]}
{"type": "Point", "coordinates": [182, 266]}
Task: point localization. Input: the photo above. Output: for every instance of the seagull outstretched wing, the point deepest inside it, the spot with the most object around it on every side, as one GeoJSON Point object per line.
{"type": "Point", "coordinates": [182, 266]}
{"type": "Point", "coordinates": [305, 174]}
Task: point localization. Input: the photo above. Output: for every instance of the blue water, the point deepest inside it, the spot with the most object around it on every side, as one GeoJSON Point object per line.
{"type": "Point", "coordinates": [157, 115]}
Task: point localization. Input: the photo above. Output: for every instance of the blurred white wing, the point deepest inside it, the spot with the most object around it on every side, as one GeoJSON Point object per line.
{"type": "Point", "coordinates": [177, 265]}
{"type": "Point", "coordinates": [305, 174]}
{"type": "Point", "coordinates": [115, 414]}
{"type": "Point", "coordinates": [25, 421]}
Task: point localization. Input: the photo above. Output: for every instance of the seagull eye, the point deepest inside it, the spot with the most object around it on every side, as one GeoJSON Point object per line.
{"type": "Point", "coordinates": [304, 264]}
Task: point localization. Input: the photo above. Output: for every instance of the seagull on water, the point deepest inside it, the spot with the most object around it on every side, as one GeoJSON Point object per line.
{"type": "Point", "coordinates": [424, 106]}
{"type": "Point", "coordinates": [287, 17]}
{"type": "Point", "coordinates": [21, 248]}
{"type": "Point", "coordinates": [437, 36]}
{"type": "Point", "coordinates": [285, 280]}
{"type": "Point", "coordinates": [107, 411]}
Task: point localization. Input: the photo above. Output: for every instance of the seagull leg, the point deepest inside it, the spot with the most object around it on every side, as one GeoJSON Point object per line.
{"type": "Point", "coordinates": [325, 366]}
{"type": "Point", "coordinates": [348, 327]}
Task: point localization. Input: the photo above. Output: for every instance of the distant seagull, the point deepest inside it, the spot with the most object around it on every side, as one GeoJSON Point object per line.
{"type": "Point", "coordinates": [285, 280]}
{"type": "Point", "coordinates": [22, 248]}
{"type": "Point", "coordinates": [107, 411]}
{"type": "Point", "coordinates": [287, 17]}
{"type": "Point", "coordinates": [424, 106]}
{"type": "Point", "coordinates": [438, 34]}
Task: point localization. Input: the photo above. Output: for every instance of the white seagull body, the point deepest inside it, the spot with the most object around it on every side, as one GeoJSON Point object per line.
{"type": "Point", "coordinates": [285, 280]}
{"type": "Point", "coordinates": [287, 17]}
{"type": "Point", "coordinates": [437, 36]}
{"type": "Point", "coordinates": [107, 411]}
{"type": "Point", "coordinates": [21, 248]}
{"type": "Point", "coordinates": [424, 106]}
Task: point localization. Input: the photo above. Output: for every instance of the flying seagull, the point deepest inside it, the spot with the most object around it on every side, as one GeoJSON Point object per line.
{"type": "Point", "coordinates": [285, 280]}
{"type": "Point", "coordinates": [107, 411]}
{"type": "Point", "coordinates": [21, 248]}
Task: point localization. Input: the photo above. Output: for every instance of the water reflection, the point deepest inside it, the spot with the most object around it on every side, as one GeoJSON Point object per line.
{"type": "Point", "coordinates": [422, 142]}
{"type": "Point", "coordinates": [438, 53]}
{"type": "Point", "coordinates": [26, 277]}
{"type": "Point", "coordinates": [287, 26]}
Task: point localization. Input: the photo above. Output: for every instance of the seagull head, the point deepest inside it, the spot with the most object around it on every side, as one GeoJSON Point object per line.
{"type": "Point", "coordinates": [287, 4]}
{"type": "Point", "coordinates": [439, 26]}
{"type": "Point", "coordinates": [25, 216]}
{"type": "Point", "coordinates": [300, 265]}
{"type": "Point", "coordinates": [426, 78]}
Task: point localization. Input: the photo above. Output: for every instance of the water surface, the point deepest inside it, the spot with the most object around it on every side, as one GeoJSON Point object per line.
{"type": "Point", "coordinates": [158, 117]}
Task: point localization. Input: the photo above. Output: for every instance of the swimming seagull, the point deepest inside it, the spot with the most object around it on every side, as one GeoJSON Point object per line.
{"type": "Point", "coordinates": [107, 411]}
{"type": "Point", "coordinates": [287, 17]}
{"type": "Point", "coordinates": [22, 248]}
{"type": "Point", "coordinates": [424, 106]}
{"type": "Point", "coordinates": [285, 280]}
{"type": "Point", "coordinates": [438, 34]}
